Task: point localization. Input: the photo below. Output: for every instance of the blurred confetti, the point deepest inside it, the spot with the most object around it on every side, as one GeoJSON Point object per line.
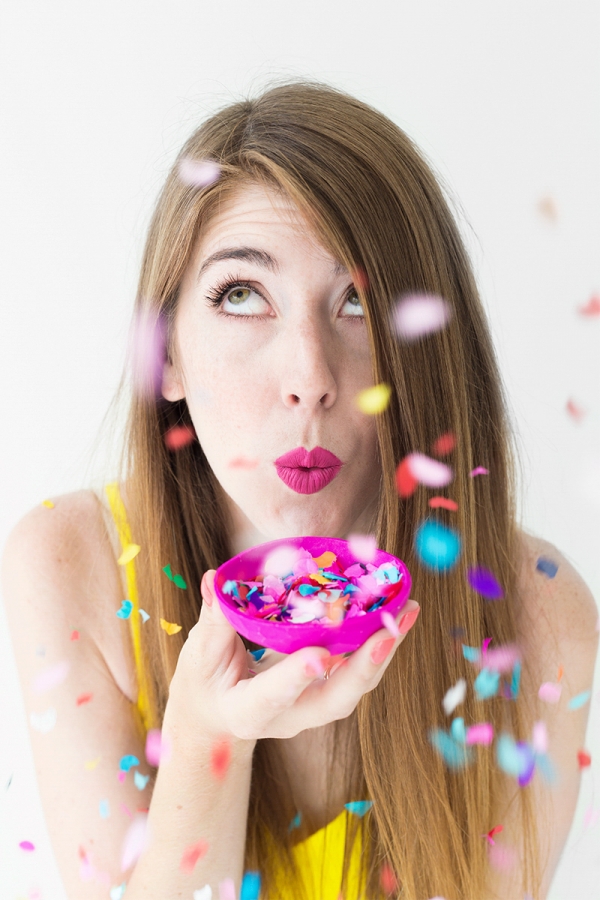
{"type": "Point", "coordinates": [125, 611]}
{"type": "Point", "coordinates": [387, 879]}
{"type": "Point", "coordinates": [443, 503]}
{"type": "Point", "coordinates": [129, 553]}
{"type": "Point", "coordinates": [359, 807]}
{"type": "Point", "coordinates": [179, 436]}
{"type": "Point", "coordinates": [27, 846]}
{"type": "Point", "coordinates": [104, 809]}
{"type": "Point", "coordinates": [205, 893]}
{"type": "Point", "coordinates": [546, 566]}
{"type": "Point", "coordinates": [220, 757]}
{"type": "Point", "coordinates": [592, 307]}
{"type": "Point", "coordinates": [157, 747]}
{"type": "Point", "coordinates": [550, 692]}
{"type": "Point", "coordinates": [140, 780]}
{"type": "Point", "coordinates": [147, 352]}
{"type": "Point", "coordinates": [198, 173]}
{"type": "Point", "coordinates": [484, 582]}
{"type": "Point", "coordinates": [250, 889]}
{"type": "Point", "coordinates": [136, 841]}
{"type": "Point", "coordinates": [144, 615]}
{"type": "Point", "coordinates": [51, 677]}
{"type": "Point", "coordinates": [454, 696]}
{"type": "Point", "coordinates": [486, 684]}
{"type": "Point", "coordinates": [438, 547]}
{"type": "Point", "coordinates": [191, 855]}
{"type": "Point", "coordinates": [444, 445]}
{"type": "Point", "coordinates": [84, 698]}
{"type": "Point", "coordinates": [169, 627]}
{"type": "Point", "coordinates": [241, 462]}
{"type": "Point", "coordinates": [584, 759]}
{"type": "Point", "coordinates": [374, 400]}
{"type": "Point", "coordinates": [579, 700]}
{"type": "Point", "coordinates": [547, 208]}
{"type": "Point", "coordinates": [478, 470]}
{"type": "Point", "coordinates": [576, 412]}
{"type": "Point", "coordinates": [48, 503]}
{"type": "Point", "coordinates": [455, 755]}
{"type": "Point", "coordinates": [416, 315]}
{"type": "Point", "coordinates": [128, 762]}
{"type": "Point", "coordinates": [363, 547]}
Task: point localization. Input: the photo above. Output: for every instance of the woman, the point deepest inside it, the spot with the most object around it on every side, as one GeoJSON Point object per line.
{"type": "Point", "coordinates": [275, 285]}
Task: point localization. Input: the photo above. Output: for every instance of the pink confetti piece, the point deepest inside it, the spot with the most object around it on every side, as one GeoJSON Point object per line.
{"type": "Point", "coordinates": [227, 889]}
{"type": "Point", "coordinates": [592, 307]}
{"type": "Point", "coordinates": [121, 776]}
{"type": "Point", "coordinates": [135, 843]}
{"type": "Point", "coordinates": [444, 445]}
{"type": "Point", "coordinates": [27, 846]}
{"type": "Point", "coordinates": [158, 748]}
{"type": "Point", "coordinates": [388, 621]}
{"type": "Point", "coordinates": [283, 560]}
{"type": "Point", "coordinates": [539, 739]}
{"type": "Point", "coordinates": [387, 879]}
{"type": "Point", "coordinates": [191, 855]}
{"type": "Point", "coordinates": [500, 659]}
{"type": "Point", "coordinates": [198, 173]}
{"type": "Point", "coordinates": [550, 692]}
{"type": "Point", "coordinates": [84, 698]}
{"type": "Point", "coordinates": [416, 315]}
{"type": "Point", "coordinates": [478, 470]}
{"type": "Point", "coordinates": [429, 472]}
{"type": "Point", "coordinates": [501, 857]}
{"type": "Point", "coordinates": [363, 547]}
{"type": "Point", "coordinates": [576, 412]}
{"type": "Point", "coordinates": [74, 636]}
{"type": "Point", "coordinates": [179, 436]}
{"type": "Point", "coordinates": [591, 817]}
{"type": "Point", "coordinates": [51, 677]}
{"type": "Point", "coordinates": [125, 810]}
{"type": "Point", "coordinates": [220, 757]}
{"type": "Point", "coordinates": [482, 733]}
{"type": "Point", "coordinates": [147, 352]}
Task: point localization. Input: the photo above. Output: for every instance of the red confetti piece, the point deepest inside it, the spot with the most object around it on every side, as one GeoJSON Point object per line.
{"type": "Point", "coordinates": [584, 759]}
{"type": "Point", "coordinates": [495, 830]}
{"type": "Point", "coordinates": [179, 436]}
{"type": "Point", "coordinates": [191, 855]}
{"type": "Point", "coordinates": [406, 483]}
{"type": "Point", "coordinates": [388, 880]}
{"type": "Point", "coordinates": [443, 503]}
{"type": "Point", "coordinates": [444, 445]}
{"type": "Point", "coordinates": [576, 412]}
{"type": "Point", "coordinates": [27, 846]}
{"type": "Point", "coordinates": [74, 636]}
{"type": "Point", "coordinates": [83, 698]}
{"type": "Point", "coordinates": [592, 307]}
{"type": "Point", "coordinates": [220, 758]}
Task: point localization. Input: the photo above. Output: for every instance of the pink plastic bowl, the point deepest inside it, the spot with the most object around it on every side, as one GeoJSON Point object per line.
{"type": "Point", "coordinates": [286, 637]}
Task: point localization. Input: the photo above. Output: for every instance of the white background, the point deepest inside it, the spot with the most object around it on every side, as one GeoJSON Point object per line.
{"type": "Point", "coordinates": [96, 99]}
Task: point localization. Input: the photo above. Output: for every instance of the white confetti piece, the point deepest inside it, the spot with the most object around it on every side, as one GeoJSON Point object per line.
{"type": "Point", "coordinates": [43, 722]}
{"type": "Point", "coordinates": [454, 696]}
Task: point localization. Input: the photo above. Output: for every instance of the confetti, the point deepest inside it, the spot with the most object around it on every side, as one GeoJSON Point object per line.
{"type": "Point", "coordinates": [51, 677]}
{"type": "Point", "coordinates": [579, 700]}
{"type": "Point", "coordinates": [444, 445]}
{"type": "Point", "coordinates": [406, 483]}
{"type": "Point", "coordinates": [241, 462]}
{"type": "Point", "coordinates": [576, 412]}
{"type": "Point", "coordinates": [128, 762]}
{"type": "Point", "coordinates": [91, 764]}
{"type": "Point", "coordinates": [250, 889]}
{"type": "Point", "coordinates": [295, 823]}
{"type": "Point", "coordinates": [125, 809]}
{"type": "Point", "coordinates": [486, 684]}
{"type": "Point", "coordinates": [363, 547]}
{"type": "Point", "coordinates": [546, 566]}
{"type": "Point", "coordinates": [74, 636]}
{"type": "Point", "coordinates": [116, 893]}
{"type": "Point", "coordinates": [204, 893]}
{"type": "Point", "coordinates": [478, 470]}
{"type": "Point", "coordinates": [176, 579]}
{"type": "Point", "coordinates": [591, 817]}
{"type": "Point", "coordinates": [374, 400]}
{"type": "Point", "coordinates": [438, 547]}
{"type": "Point", "coordinates": [454, 696]}
{"type": "Point", "coordinates": [592, 307]}
{"type": "Point", "coordinates": [48, 504]}
{"type": "Point", "coordinates": [416, 315]}
{"type": "Point", "coordinates": [84, 698]}
{"type": "Point", "coordinates": [104, 809]}
{"type": "Point", "coordinates": [458, 730]}
{"type": "Point", "coordinates": [482, 733]}
{"type": "Point", "coordinates": [484, 582]}
{"type": "Point", "coordinates": [502, 857]}
{"type": "Point", "coordinates": [191, 855]}
{"type": "Point", "coordinates": [220, 757]}
{"type": "Point", "coordinates": [136, 841]}
{"type": "Point", "coordinates": [140, 780]}
{"type": "Point", "coordinates": [515, 758]}
{"type": "Point", "coordinates": [227, 889]}
{"type": "Point", "coordinates": [179, 436]}
{"type": "Point", "coordinates": [359, 807]}
{"type": "Point", "coordinates": [584, 759]}
{"type": "Point", "coordinates": [148, 352]}
{"type": "Point", "coordinates": [125, 611]}
{"type": "Point", "coordinates": [539, 740]}
{"type": "Point", "coordinates": [43, 722]}
{"type": "Point", "coordinates": [455, 755]}
{"type": "Point", "coordinates": [443, 503]}
{"type": "Point", "coordinates": [144, 615]}
{"type": "Point", "coordinates": [388, 621]}
{"type": "Point", "coordinates": [387, 879]}
{"type": "Point", "coordinates": [550, 692]}
{"type": "Point", "coordinates": [495, 830]}
{"type": "Point", "coordinates": [130, 551]}
{"type": "Point", "coordinates": [429, 472]}
{"type": "Point", "coordinates": [169, 627]}
{"type": "Point", "coordinates": [157, 747]}
{"type": "Point", "coordinates": [198, 173]}
{"type": "Point", "coordinates": [27, 846]}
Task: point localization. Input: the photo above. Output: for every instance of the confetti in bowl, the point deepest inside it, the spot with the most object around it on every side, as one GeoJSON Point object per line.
{"type": "Point", "coordinates": [358, 593]}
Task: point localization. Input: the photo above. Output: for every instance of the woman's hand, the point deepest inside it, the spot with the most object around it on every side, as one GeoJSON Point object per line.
{"type": "Point", "coordinates": [216, 692]}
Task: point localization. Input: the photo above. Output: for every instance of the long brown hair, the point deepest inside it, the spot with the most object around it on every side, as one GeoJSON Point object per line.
{"type": "Point", "coordinates": [375, 203]}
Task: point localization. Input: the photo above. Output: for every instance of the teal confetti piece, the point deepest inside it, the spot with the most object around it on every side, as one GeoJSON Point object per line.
{"type": "Point", "coordinates": [579, 700]}
{"type": "Point", "coordinates": [359, 807]}
{"type": "Point", "coordinates": [544, 764]}
{"type": "Point", "coordinates": [128, 762]}
{"type": "Point", "coordinates": [295, 823]}
{"type": "Point", "coordinates": [117, 893]}
{"type": "Point", "coordinates": [438, 547]}
{"type": "Point", "coordinates": [125, 611]}
{"type": "Point", "coordinates": [307, 589]}
{"type": "Point", "coordinates": [471, 654]}
{"type": "Point", "coordinates": [515, 680]}
{"type": "Point", "coordinates": [458, 730]}
{"type": "Point", "coordinates": [140, 780]}
{"type": "Point", "coordinates": [258, 654]}
{"type": "Point", "coordinates": [104, 809]}
{"type": "Point", "coordinates": [230, 587]}
{"type": "Point", "coordinates": [508, 756]}
{"type": "Point", "coordinates": [454, 755]}
{"type": "Point", "coordinates": [486, 684]}
{"type": "Point", "coordinates": [179, 582]}
{"type": "Point", "coordinates": [250, 886]}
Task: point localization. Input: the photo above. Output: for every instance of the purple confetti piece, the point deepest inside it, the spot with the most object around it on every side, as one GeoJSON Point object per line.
{"type": "Point", "coordinates": [484, 582]}
{"type": "Point", "coordinates": [479, 470]}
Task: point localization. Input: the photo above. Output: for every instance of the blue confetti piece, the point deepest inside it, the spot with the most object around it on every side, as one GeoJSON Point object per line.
{"type": "Point", "coordinates": [545, 766]}
{"type": "Point", "coordinates": [230, 587]}
{"type": "Point", "coordinates": [125, 611]}
{"type": "Point", "coordinates": [515, 680]}
{"type": "Point", "coordinates": [471, 654]}
{"type": "Point", "coordinates": [128, 762]}
{"type": "Point", "coordinates": [579, 700]}
{"type": "Point", "coordinates": [546, 566]}
{"type": "Point", "coordinates": [295, 823]}
{"type": "Point", "coordinates": [508, 756]}
{"type": "Point", "coordinates": [250, 886]}
{"type": "Point", "coordinates": [307, 589]}
{"type": "Point", "coordinates": [438, 547]}
{"type": "Point", "coordinates": [458, 730]}
{"type": "Point", "coordinates": [104, 809]}
{"type": "Point", "coordinates": [359, 807]}
{"type": "Point", "coordinates": [140, 780]}
{"type": "Point", "coordinates": [454, 755]}
{"type": "Point", "coordinates": [486, 684]}
{"type": "Point", "coordinates": [258, 654]}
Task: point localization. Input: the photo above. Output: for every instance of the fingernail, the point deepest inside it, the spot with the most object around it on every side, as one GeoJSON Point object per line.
{"type": "Point", "coordinates": [381, 650]}
{"type": "Point", "coordinates": [407, 621]}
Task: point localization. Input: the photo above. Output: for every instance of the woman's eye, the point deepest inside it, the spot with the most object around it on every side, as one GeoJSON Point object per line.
{"type": "Point", "coordinates": [245, 300]}
{"type": "Point", "coordinates": [352, 305]}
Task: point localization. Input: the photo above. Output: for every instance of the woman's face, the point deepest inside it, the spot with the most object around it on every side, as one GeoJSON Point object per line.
{"type": "Point", "coordinates": [271, 348]}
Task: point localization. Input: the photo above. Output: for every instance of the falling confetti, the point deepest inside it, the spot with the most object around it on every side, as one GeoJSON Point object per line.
{"type": "Point", "coordinates": [169, 627]}
{"type": "Point", "coordinates": [438, 547]}
{"type": "Point", "coordinates": [198, 173]}
{"type": "Point", "coordinates": [486, 684]}
{"type": "Point", "coordinates": [429, 472]}
{"type": "Point", "coordinates": [140, 780]}
{"type": "Point", "coordinates": [27, 846]}
{"type": "Point", "coordinates": [584, 759]}
{"type": "Point", "coordinates": [48, 503]}
{"type": "Point", "coordinates": [387, 879]}
{"type": "Point", "coordinates": [546, 566]}
{"type": "Point", "coordinates": [91, 764]}
{"type": "Point", "coordinates": [104, 809]}
{"type": "Point", "coordinates": [241, 462]}
{"type": "Point", "coordinates": [176, 579]}
{"type": "Point", "coordinates": [550, 692]}
{"type": "Point", "coordinates": [418, 315]}
{"type": "Point", "coordinates": [576, 412]}
{"type": "Point", "coordinates": [227, 889]}
{"type": "Point", "coordinates": [579, 700]}
{"type": "Point", "coordinates": [136, 841]}
{"type": "Point", "coordinates": [157, 747]}
{"type": "Point", "coordinates": [205, 893]}
{"type": "Point", "coordinates": [484, 582]}
{"type": "Point", "coordinates": [547, 208]}
{"type": "Point", "coordinates": [43, 722]}
{"type": "Point", "coordinates": [591, 817]}
{"type": "Point", "coordinates": [406, 483]}
{"type": "Point", "coordinates": [116, 893]}
{"type": "Point", "coordinates": [127, 762]}
{"type": "Point", "coordinates": [51, 677]}
{"type": "Point", "coordinates": [191, 855]}
{"type": "Point", "coordinates": [388, 621]}
{"type": "Point", "coordinates": [359, 807]}
{"type": "Point", "coordinates": [458, 730]}
{"type": "Point", "coordinates": [454, 696]}
{"type": "Point", "coordinates": [482, 733]}
{"type": "Point", "coordinates": [444, 445]}
{"type": "Point", "coordinates": [125, 611]}
{"type": "Point", "coordinates": [363, 547]}
{"type": "Point", "coordinates": [179, 436]}
{"type": "Point", "coordinates": [250, 889]}
{"type": "Point", "coordinates": [220, 757]}
{"type": "Point", "coordinates": [84, 698]}
{"type": "Point", "coordinates": [148, 352]}
{"type": "Point", "coordinates": [539, 739]}
{"type": "Point", "coordinates": [295, 823]}
{"type": "Point", "coordinates": [592, 307]}
{"type": "Point", "coordinates": [144, 615]}
{"type": "Point", "coordinates": [455, 755]}
{"type": "Point", "coordinates": [374, 400]}
{"type": "Point", "coordinates": [130, 551]}
{"type": "Point", "coordinates": [443, 503]}
{"type": "Point", "coordinates": [495, 830]}
{"type": "Point", "coordinates": [502, 857]}
{"type": "Point", "coordinates": [74, 636]}
{"type": "Point", "coordinates": [478, 470]}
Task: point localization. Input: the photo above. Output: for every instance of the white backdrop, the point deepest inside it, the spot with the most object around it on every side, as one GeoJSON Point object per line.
{"type": "Point", "coordinates": [97, 98]}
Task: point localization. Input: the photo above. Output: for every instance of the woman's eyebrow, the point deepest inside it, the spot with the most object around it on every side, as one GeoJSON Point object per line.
{"type": "Point", "coordinates": [248, 254]}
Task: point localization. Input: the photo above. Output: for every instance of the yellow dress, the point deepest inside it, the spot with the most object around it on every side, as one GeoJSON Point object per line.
{"type": "Point", "coordinates": [320, 855]}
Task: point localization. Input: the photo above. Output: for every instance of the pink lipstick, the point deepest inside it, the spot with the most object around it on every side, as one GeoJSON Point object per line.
{"type": "Point", "coordinates": [308, 471]}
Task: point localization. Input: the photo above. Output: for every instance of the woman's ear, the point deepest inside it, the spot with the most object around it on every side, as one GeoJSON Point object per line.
{"type": "Point", "coordinates": [172, 387]}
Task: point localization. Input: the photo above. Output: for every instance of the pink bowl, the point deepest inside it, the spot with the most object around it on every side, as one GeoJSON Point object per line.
{"type": "Point", "coordinates": [286, 637]}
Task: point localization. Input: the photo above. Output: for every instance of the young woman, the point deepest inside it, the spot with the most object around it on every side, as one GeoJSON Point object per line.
{"type": "Point", "coordinates": [275, 283]}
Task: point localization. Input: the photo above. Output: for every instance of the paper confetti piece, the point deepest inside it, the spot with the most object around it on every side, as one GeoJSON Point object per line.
{"type": "Point", "coordinates": [241, 462]}
{"type": "Point", "coordinates": [227, 889]}
{"type": "Point", "coordinates": [579, 700]}
{"type": "Point", "coordinates": [104, 809]}
{"type": "Point", "coordinates": [179, 436]}
{"type": "Point", "coordinates": [91, 764]}
{"type": "Point", "coordinates": [136, 841]}
{"type": "Point", "coordinates": [191, 855]}
{"type": "Point", "coordinates": [482, 733]}
{"type": "Point", "coordinates": [429, 472]}
{"type": "Point", "coordinates": [438, 547]}
{"type": "Point", "coordinates": [48, 503]}
{"type": "Point", "coordinates": [454, 696]}
{"type": "Point", "coordinates": [387, 879]}
{"type": "Point", "coordinates": [484, 582]}
{"type": "Point", "coordinates": [363, 547]}
{"type": "Point", "coordinates": [592, 307]}
{"type": "Point", "coordinates": [144, 615]}
{"type": "Point", "coordinates": [117, 893]}
{"type": "Point", "coordinates": [127, 762]}
{"type": "Point", "coordinates": [325, 560]}
{"type": "Point", "coordinates": [359, 807]}
{"type": "Point", "coordinates": [455, 755]}
{"type": "Point", "coordinates": [443, 503]}
{"type": "Point", "coordinates": [169, 627]}
{"type": "Point", "coordinates": [74, 636]}
{"type": "Point", "coordinates": [176, 579]}
{"type": "Point", "coordinates": [205, 893]}
{"type": "Point", "coordinates": [546, 566]}
{"type": "Point", "coordinates": [84, 698]}
{"type": "Point", "coordinates": [591, 817]}
{"type": "Point", "coordinates": [374, 400]}
{"type": "Point", "coordinates": [584, 759]}
{"type": "Point", "coordinates": [125, 809]}
{"type": "Point", "coordinates": [444, 445]}
{"type": "Point", "coordinates": [220, 757]}
{"type": "Point", "coordinates": [295, 823]}
{"type": "Point", "coordinates": [43, 722]}
{"type": "Point", "coordinates": [550, 692]}
{"type": "Point", "coordinates": [157, 747]}
{"type": "Point", "coordinates": [539, 740]}
{"type": "Point", "coordinates": [27, 846]}
{"type": "Point", "coordinates": [130, 551]}
{"type": "Point", "coordinates": [417, 315]}
{"type": "Point", "coordinates": [576, 412]}
{"type": "Point", "coordinates": [458, 730]}
{"type": "Point", "coordinates": [486, 684]}
{"type": "Point", "coordinates": [125, 611]}
{"type": "Point", "coordinates": [198, 173]}
{"type": "Point", "coordinates": [140, 780]}
{"type": "Point", "coordinates": [501, 857]}
{"type": "Point", "coordinates": [250, 889]}
{"type": "Point", "coordinates": [406, 483]}
{"type": "Point", "coordinates": [51, 677]}
{"type": "Point", "coordinates": [478, 470]}
{"type": "Point", "coordinates": [388, 621]}
{"type": "Point", "coordinates": [495, 830]}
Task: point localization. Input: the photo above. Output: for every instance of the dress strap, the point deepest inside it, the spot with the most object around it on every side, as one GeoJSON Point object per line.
{"type": "Point", "coordinates": [119, 514]}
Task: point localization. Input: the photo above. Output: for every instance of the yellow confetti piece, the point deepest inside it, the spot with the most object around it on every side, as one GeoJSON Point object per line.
{"type": "Point", "coordinates": [325, 559]}
{"type": "Point", "coordinates": [92, 763]}
{"type": "Point", "coordinates": [129, 553]}
{"type": "Point", "coordinates": [320, 579]}
{"type": "Point", "coordinates": [374, 400]}
{"type": "Point", "coordinates": [48, 503]}
{"type": "Point", "coordinates": [169, 627]}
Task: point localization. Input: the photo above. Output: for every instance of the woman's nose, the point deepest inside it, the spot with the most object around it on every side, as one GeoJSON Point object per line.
{"type": "Point", "coordinates": [307, 378]}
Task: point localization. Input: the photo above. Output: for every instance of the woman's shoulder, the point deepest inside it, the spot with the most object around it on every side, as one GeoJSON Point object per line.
{"type": "Point", "coordinates": [59, 566]}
